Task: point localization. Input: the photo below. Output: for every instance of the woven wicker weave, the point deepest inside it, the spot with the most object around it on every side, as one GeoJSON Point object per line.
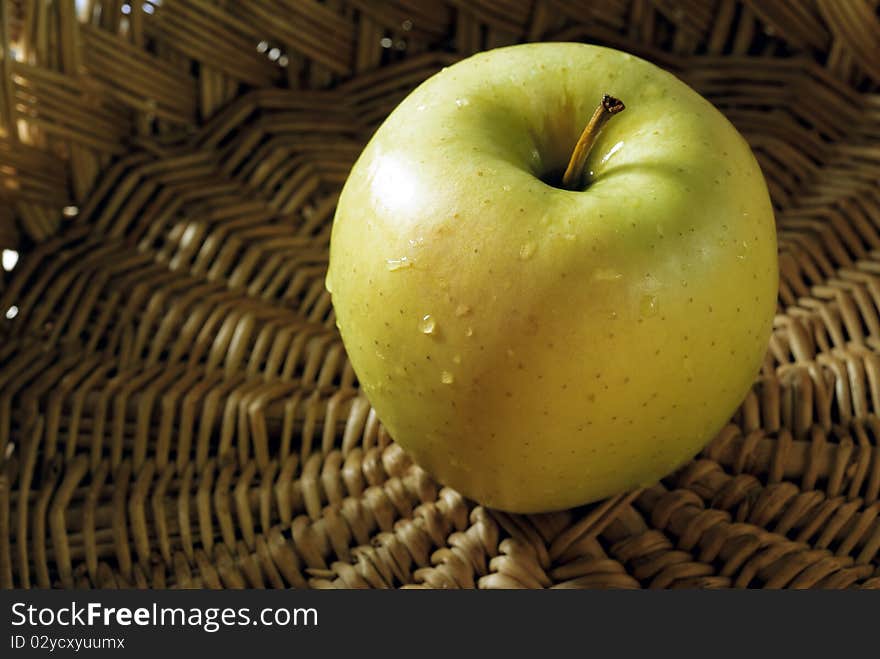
{"type": "Point", "coordinates": [176, 407]}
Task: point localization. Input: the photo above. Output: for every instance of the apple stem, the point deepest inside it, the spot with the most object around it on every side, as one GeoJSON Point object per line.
{"type": "Point", "coordinates": [574, 173]}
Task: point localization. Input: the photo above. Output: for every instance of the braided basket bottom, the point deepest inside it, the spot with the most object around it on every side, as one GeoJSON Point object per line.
{"type": "Point", "coordinates": [177, 408]}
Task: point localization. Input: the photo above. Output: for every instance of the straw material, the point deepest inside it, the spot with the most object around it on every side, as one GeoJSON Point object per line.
{"type": "Point", "coordinates": [176, 406]}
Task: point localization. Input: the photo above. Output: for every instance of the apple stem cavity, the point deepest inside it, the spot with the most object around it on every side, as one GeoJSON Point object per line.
{"type": "Point", "coordinates": [574, 173]}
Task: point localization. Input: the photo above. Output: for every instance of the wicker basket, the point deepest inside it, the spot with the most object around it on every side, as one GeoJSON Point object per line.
{"type": "Point", "coordinates": [176, 407]}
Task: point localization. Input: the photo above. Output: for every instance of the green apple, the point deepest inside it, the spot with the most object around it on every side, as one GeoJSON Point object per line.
{"type": "Point", "coordinates": [537, 347]}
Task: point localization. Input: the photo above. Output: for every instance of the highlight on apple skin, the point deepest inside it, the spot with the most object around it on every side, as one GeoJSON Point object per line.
{"type": "Point", "coordinates": [536, 347]}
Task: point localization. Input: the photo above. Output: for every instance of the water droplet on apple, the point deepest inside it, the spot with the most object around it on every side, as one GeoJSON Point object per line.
{"type": "Point", "coordinates": [420, 108]}
{"type": "Point", "coordinates": [526, 251]}
{"type": "Point", "coordinates": [613, 315]}
{"type": "Point", "coordinates": [447, 378]}
{"type": "Point", "coordinates": [462, 310]}
{"type": "Point", "coordinates": [570, 236]}
{"type": "Point", "coordinates": [469, 331]}
{"type": "Point", "coordinates": [606, 274]}
{"type": "Point", "coordinates": [648, 305]}
{"type": "Point", "coordinates": [398, 264]}
{"type": "Point", "coordinates": [506, 188]}
{"type": "Point", "coordinates": [427, 324]}
{"type": "Point", "coordinates": [462, 102]}
{"type": "Point", "coordinates": [456, 359]}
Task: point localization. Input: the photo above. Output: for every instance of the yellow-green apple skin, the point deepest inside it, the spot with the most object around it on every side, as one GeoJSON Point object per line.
{"type": "Point", "coordinates": [538, 348]}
